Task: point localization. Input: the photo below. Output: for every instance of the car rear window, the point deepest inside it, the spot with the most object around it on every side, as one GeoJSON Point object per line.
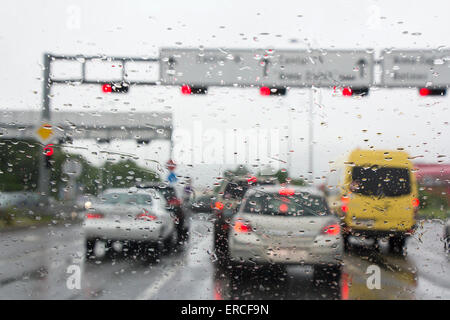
{"type": "Point", "coordinates": [381, 181]}
{"type": "Point", "coordinates": [299, 204]}
{"type": "Point", "coordinates": [236, 190]}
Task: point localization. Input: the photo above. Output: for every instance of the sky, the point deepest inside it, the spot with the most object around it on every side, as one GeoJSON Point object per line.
{"type": "Point", "coordinates": [387, 118]}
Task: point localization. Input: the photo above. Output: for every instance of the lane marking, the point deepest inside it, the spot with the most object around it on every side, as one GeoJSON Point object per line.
{"type": "Point", "coordinates": [152, 290]}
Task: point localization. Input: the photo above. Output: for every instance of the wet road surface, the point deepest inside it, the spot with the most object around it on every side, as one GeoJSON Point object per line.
{"type": "Point", "coordinates": [37, 264]}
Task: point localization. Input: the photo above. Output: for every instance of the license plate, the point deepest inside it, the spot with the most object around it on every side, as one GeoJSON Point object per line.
{"type": "Point", "coordinates": [287, 254]}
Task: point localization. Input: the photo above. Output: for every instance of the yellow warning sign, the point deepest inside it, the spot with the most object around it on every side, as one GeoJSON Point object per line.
{"type": "Point", "coordinates": [45, 131]}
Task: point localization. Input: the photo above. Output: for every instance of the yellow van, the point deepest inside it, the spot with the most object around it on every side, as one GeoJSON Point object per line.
{"type": "Point", "coordinates": [376, 196]}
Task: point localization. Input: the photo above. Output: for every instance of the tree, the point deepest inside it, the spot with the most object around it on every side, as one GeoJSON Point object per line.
{"type": "Point", "coordinates": [124, 174]}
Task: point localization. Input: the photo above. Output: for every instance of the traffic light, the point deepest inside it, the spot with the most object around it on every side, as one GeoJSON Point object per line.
{"type": "Point", "coordinates": [357, 91]}
{"type": "Point", "coordinates": [121, 87]}
{"type": "Point", "coordinates": [185, 89]}
{"type": "Point", "coordinates": [432, 92]}
{"type": "Point", "coordinates": [272, 91]}
{"type": "Point", "coordinates": [48, 152]}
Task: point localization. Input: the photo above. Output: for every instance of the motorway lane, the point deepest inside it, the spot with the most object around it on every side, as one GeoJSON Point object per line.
{"type": "Point", "coordinates": [34, 265]}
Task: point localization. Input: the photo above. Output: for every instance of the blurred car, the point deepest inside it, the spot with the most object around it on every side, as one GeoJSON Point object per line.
{"type": "Point", "coordinates": [22, 199]}
{"type": "Point", "coordinates": [136, 218]}
{"type": "Point", "coordinates": [447, 236]}
{"type": "Point", "coordinates": [378, 197]}
{"type": "Point", "coordinates": [203, 203]}
{"type": "Point", "coordinates": [227, 202]}
{"type": "Point", "coordinates": [174, 205]}
{"type": "Point", "coordinates": [83, 200]}
{"type": "Point", "coordinates": [287, 225]}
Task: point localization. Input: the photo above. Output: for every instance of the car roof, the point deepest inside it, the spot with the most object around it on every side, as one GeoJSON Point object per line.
{"type": "Point", "coordinates": [152, 184]}
{"type": "Point", "coordinates": [297, 189]}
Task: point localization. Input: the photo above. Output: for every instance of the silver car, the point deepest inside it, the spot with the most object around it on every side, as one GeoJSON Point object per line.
{"type": "Point", "coordinates": [134, 218]}
{"type": "Point", "coordinates": [293, 225]}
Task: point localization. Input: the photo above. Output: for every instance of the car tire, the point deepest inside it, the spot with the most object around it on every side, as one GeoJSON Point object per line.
{"type": "Point", "coordinates": [171, 243]}
{"type": "Point", "coordinates": [345, 238]}
{"type": "Point", "coordinates": [326, 274]}
{"type": "Point", "coordinates": [397, 244]}
{"type": "Point", "coordinates": [447, 244]}
{"type": "Point", "coordinates": [90, 245]}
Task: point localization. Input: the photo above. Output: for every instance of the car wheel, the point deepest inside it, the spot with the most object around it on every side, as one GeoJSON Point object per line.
{"type": "Point", "coordinates": [90, 245]}
{"type": "Point", "coordinates": [397, 244]}
{"type": "Point", "coordinates": [345, 238]}
{"type": "Point", "coordinates": [325, 274]}
{"type": "Point", "coordinates": [447, 244]}
{"type": "Point", "coordinates": [171, 243]}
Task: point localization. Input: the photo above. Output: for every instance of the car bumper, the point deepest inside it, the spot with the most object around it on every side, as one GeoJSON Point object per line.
{"type": "Point", "coordinates": [311, 255]}
{"type": "Point", "coordinates": [144, 231]}
{"type": "Point", "coordinates": [373, 233]}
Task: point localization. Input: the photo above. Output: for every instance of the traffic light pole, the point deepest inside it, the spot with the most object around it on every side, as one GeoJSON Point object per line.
{"type": "Point", "coordinates": [44, 172]}
{"type": "Point", "coordinates": [311, 137]}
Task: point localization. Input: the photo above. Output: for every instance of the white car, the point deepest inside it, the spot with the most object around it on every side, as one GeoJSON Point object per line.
{"type": "Point", "coordinates": [132, 218]}
{"type": "Point", "coordinates": [277, 225]}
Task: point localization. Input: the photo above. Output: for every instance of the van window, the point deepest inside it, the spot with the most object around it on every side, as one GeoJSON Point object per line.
{"type": "Point", "coordinates": [384, 181]}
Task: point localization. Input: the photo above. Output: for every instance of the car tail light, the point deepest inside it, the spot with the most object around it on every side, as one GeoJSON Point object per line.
{"type": "Point", "coordinates": [174, 202]}
{"type": "Point", "coordinates": [146, 216]}
{"type": "Point", "coordinates": [219, 205]}
{"type": "Point", "coordinates": [344, 201]}
{"type": "Point", "coordinates": [240, 227]}
{"type": "Point", "coordinates": [332, 229]}
{"type": "Point", "coordinates": [252, 179]}
{"type": "Point", "coordinates": [415, 202]}
{"type": "Point", "coordinates": [94, 216]}
{"type": "Point", "coordinates": [286, 192]}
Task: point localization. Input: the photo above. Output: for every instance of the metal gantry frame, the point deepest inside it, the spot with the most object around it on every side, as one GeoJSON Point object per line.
{"type": "Point", "coordinates": [44, 176]}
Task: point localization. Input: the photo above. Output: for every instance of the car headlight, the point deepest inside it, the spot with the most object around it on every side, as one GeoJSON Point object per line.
{"type": "Point", "coordinates": [88, 204]}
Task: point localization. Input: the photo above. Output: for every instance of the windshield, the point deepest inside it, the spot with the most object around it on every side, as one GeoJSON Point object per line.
{"type": "Point", "coordinates": [382, 182]}
{"type": "Point", "coordinates": [134, 133]}
{"type": "Point", "coordinates": [298, 205]}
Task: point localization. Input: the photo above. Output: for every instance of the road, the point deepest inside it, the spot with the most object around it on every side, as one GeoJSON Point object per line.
{"type": "Point", "coordinates": [37, 263]}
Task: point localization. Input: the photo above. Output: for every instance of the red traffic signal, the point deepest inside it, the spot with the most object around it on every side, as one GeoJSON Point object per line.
{"type": "Point", "coordinates": [432, 92]}
{"type": "Point", "coordinates": [186, 90]}
{"type": "Point", "coordinates": [348, 91]}
{"type": "Point", "coordinates": [268, 91]}
{"type": "Point", "coordinates": [115, 87]}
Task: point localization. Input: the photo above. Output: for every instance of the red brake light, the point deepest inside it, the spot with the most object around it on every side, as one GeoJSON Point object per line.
{"type": "Point", "coordinates": [333, 229]}
{"type": "Point", "coordinates": [174, 202]}
{"type": "Point", "coordinates": [94, 216]}
{"type": "Point", "coordinates": [415, 202]}
{"type": "Point", "coordinates": [252, 179]}
{"type": "Point", "coordinates": [286, 192]}
{"type": "Point", "coordinates": [145, 216]}
{"type": "Point", "coordinates": [239, 226]}
{"type": "Point", "coordinates": [219, 205]}
{"type": "Point", "coordinates": [345, 200]}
